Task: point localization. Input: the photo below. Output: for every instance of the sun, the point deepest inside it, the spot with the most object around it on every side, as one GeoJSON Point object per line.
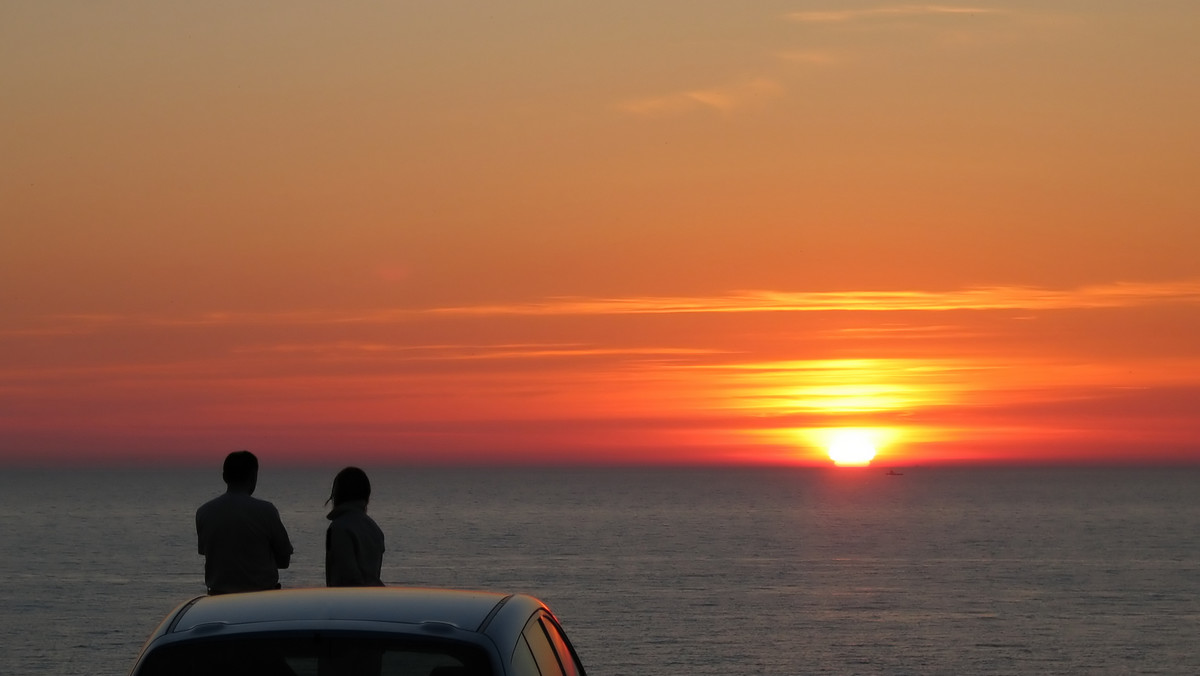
{"type": "Point", "coordinates": [851, 447]}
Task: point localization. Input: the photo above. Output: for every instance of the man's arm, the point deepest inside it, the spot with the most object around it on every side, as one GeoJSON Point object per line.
{"type": "Point", "coordinates": [200, 545]}
{"type": "Point", "coordinates": [281, 545]}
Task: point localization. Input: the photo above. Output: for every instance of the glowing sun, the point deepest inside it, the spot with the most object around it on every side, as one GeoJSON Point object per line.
{"type": "Point", "coordinates": [851, 447]}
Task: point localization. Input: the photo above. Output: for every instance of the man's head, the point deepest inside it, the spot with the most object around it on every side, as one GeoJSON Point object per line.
{"type": "Point", "coordinates": [240, 471]}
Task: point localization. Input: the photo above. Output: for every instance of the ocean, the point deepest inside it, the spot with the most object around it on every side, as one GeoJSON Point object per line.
{"type": "Point", "coordinates": [664, 571]}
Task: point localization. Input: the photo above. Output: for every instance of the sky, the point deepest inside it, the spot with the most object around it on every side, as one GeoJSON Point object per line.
{"type": "Point", "coordinates": [622, 232]}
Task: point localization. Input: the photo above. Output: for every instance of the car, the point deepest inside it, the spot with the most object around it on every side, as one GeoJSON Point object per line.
{"type": "Point", "coordinates": [360, 631]}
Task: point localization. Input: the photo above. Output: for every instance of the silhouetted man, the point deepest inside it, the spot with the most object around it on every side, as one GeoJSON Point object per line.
{"type": "Point", "coordinates": [243, 542]}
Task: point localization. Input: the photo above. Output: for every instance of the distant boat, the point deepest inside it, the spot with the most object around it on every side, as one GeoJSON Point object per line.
{"type": "Point", "coordinates": [892, 472]}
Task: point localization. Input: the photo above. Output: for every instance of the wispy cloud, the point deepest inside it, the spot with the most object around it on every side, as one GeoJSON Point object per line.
{"type": "Point", "coordinates": [986, 298]}
{"type": "Point", "coordinates": [1114, 295]}
{"type": "Point", "coordinates": [724, 99]}
{"type": "Point", "coordinates": [471, 351]}
{"type": "Point", "coordinates": [919, 332]}
{"type": "Point", "coordinates": [846, 15]}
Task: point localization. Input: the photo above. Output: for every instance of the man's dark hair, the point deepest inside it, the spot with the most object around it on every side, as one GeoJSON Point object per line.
{"type": "Point", "coordinates": [350, 484]}
{"type": "Point", "coordinates": [240, 467]}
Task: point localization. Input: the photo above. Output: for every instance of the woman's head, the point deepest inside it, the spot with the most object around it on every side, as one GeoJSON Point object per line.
{"type": "Point", "coordinates": [350, 484]}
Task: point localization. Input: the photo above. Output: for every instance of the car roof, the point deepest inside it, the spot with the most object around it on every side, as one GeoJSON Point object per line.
{"type": "Point", "coordinates": [465, 610]}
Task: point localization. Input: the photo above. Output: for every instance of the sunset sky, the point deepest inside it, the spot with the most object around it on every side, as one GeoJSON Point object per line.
{"type": "Point", "coordinates": [678, 231]}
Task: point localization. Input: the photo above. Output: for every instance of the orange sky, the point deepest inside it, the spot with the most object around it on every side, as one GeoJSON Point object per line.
{"type": "Point", "coordinates": [680, 231]}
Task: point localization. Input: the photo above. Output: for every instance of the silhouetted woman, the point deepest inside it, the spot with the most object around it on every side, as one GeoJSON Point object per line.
{"type": "Point", "coordinates": [353, 542]}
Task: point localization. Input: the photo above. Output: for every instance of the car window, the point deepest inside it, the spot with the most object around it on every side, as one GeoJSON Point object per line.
{"type": "Point", "coordinates": [523, 663]}
{"type": "Point", "coordinates": [566, 655]}
{"type": "Point", "coordinates": [316, 654]}
{"type": "Point", "coordinates": [543, 650]}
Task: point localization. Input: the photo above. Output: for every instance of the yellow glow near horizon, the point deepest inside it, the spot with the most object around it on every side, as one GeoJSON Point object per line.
{"type": "Point", "coordinates": [851, 446]}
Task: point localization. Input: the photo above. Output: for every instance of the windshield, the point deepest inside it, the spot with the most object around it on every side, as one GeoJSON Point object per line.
{"type": "Point", "coordinates": [316, 654]}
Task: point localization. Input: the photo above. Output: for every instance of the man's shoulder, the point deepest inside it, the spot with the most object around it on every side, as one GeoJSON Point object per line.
{"type": "Point", "coordinates": [212, 504]}
{"type": "Point", "coordinates": [265, 505]}
{"type": "Point", "coordinates": [236, 501]}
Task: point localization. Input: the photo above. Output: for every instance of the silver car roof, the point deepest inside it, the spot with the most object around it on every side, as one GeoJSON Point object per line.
{"type": "Point", "coordinates": [490, 620]}
{"type": "Point", "coordinates": [466, 610]}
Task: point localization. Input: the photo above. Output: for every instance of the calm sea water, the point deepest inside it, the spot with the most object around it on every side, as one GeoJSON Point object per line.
{"type": "Point", "coordinates": [662, 572]}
